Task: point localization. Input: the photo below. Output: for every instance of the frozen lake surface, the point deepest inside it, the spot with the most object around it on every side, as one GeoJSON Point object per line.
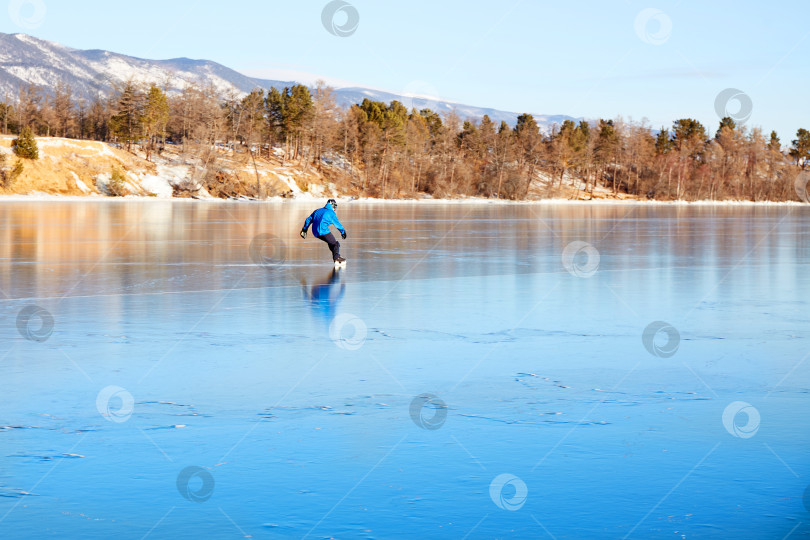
{"type": "Point", "coordinates": [190, 370]}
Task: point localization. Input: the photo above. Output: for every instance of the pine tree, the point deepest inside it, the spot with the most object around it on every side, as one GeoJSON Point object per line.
{"type": "Point", "coordinates": [487, 136]}
{"type": "Point", "coordinates": [663, 144]}
{"type": "Point", "coordinates": [607, 141]}
{"type": "Point", "coordinates": [504, 152]}
{"type": "Point", "coordinates": [288, 112]}
{"type": "Point", "coordinates": [689, 138]}
{"type": "Point", "coordinates": [155, 117]}
{"type": "Point", "coordinates": [727, 135]}
{"type": "Point", "coordinates": [726, 123]}
{"type": "Point", "coordinates": [25, 146]}
{"type": "Point", "coordinates": [562, 147]}
{"type": "Point", "coordinates": [127, 117]}
{"type": "Point", "coordinates": [800, 151]}
{"type": "Point", "coordinates": [275, 111]}
{"type": "Point", "coordinates": [435, 126]}
{"type": "Point", "coordinates": [688, 132]}
{"type": "Point", "coordinates": [527, 135]}
{"type": "Point", "coordinates": [467, 137]}
{"type": "Point", "coordinates": [775, 145]}
{"type": "Point", "coordinates": [417, 147]}
{"type": "Point", "coordinates": [607, 147]}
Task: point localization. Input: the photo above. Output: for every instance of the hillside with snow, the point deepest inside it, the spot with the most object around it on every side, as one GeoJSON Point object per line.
{"type": "Point", "coordinates": [84, 168]}
{"type": "Point", "coordinates": [28, 60]}
{"type": "Point", "coordinates": [72, 167]}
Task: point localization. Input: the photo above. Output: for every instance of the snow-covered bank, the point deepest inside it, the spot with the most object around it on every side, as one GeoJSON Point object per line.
{"type": "Point", "coordinates": [81, 170]}
{"type": "Point", "coordinates": [72, 167]}
{"type": "Point", "coordinates": [308, 199]}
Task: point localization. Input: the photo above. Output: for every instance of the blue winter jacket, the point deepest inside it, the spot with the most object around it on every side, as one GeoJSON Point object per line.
{"type": "Point", "coordinates": [321, 219]}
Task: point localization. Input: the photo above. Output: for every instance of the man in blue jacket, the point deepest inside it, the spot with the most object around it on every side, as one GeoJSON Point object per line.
{"type": "Point", "coordinates": [320, 220]}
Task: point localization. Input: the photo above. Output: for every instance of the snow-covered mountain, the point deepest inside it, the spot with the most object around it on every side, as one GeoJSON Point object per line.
{"type": "Point", "coordinates": [28, 60]}
{"type": "Point", "coordinates": [25, 59]}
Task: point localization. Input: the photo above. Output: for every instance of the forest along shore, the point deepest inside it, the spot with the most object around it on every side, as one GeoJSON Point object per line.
{"type": "Point", "coordinates": [82, 168]}
{"type": "Point", "coordinates": [295, 142]}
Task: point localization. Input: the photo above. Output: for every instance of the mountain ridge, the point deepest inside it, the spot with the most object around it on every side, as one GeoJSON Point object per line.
{"type": "Point", "coordinates": [26, 59]}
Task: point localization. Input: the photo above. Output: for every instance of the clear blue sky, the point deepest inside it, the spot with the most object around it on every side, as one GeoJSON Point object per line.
{"type": "Point", "coordinates": [587, 58]}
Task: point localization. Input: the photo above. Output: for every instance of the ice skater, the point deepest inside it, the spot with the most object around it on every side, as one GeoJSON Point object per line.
{"type": "Point", "coordinates": [320, 220]}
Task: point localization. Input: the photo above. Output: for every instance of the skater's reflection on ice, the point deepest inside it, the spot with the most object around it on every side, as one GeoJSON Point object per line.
{"type": "Point", "coordinates": [325, 294]}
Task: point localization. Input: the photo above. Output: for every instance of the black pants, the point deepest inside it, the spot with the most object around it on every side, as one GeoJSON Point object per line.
{"type": "Point", "coordinates": [334, 245]}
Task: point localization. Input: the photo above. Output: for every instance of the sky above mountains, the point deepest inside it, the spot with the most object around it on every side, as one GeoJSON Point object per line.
{"type": "Point", "coordinates": [588, 58]}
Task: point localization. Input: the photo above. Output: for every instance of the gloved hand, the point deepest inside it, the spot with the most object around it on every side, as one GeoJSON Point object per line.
{"type": "Point", "coordinates": [303, 233]}
{"type": "Point", "coordinates": [343, 235]}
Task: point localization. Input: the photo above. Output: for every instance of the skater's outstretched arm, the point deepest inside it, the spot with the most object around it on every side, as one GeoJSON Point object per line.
{"type": "Point", "coordinates": [306, 225]}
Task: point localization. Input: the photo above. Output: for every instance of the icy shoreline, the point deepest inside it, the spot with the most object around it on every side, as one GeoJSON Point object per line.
{"type": "Point", "coordinates": [43, 197]}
